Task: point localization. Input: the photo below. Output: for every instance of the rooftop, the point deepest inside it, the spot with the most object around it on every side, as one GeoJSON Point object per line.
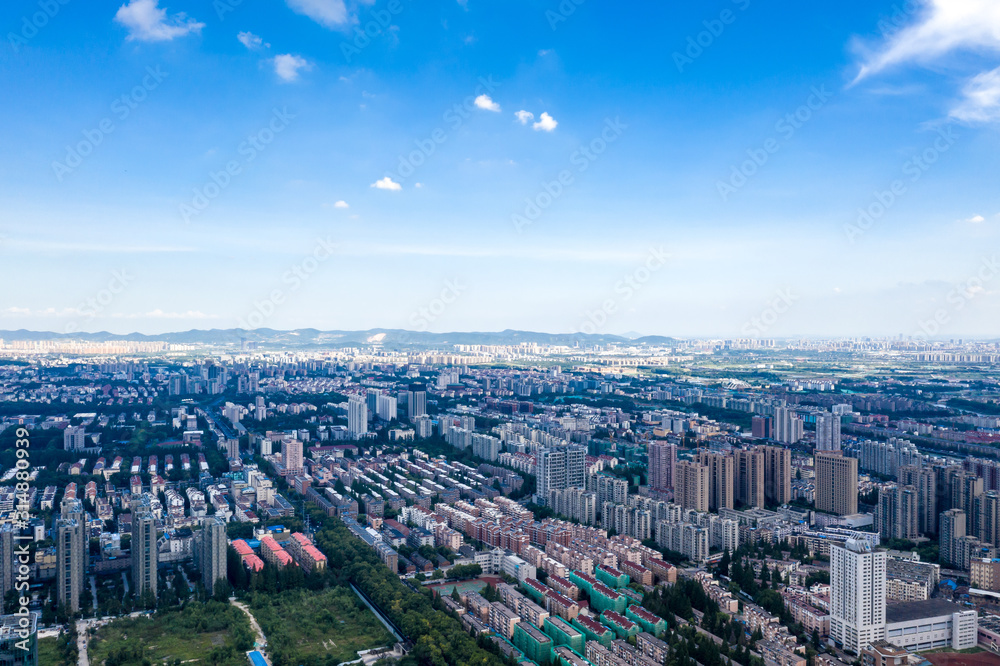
{"type": "Point", "coordinates": [907, 611]}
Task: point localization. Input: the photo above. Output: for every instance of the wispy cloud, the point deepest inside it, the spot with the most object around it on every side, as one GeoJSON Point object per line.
{"type": "Point", "coordinates": [287, 66]}
{"type": "Point", "coordinates": [981, 102]}
{"type": "Point", "coordinates": [341, 204]}
{"type": "Point", "coordinates": [328, 13]}
{"type": "Point", "coordinates": [943, 26]}
{"type": "Point", "coordinates": [252, 41]}
{"type": "Point", "coordinates": [146, 22]}
{"type": "Point", "coordinates": [524, 117]}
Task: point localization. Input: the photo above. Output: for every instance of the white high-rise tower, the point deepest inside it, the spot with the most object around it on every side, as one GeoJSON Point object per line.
{"type": "Point", "coordinates": [857, 594]}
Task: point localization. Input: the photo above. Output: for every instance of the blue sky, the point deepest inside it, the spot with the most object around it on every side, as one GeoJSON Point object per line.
{"type": "Point", "coordinates": [699, 170]}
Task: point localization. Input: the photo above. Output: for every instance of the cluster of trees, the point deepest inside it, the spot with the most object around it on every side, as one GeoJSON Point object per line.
{"type": "Point", "coordinates": [438, 639]}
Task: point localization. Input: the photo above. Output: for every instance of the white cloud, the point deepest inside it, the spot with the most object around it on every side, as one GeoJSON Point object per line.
{"type": "Point", "coordinates": [146, 22]}
{"type": "Point", "coordinates": [524, 117]}
{"type": "Point", "coordinates": [943, 26]}
{"type": "Point", "coordinates": [545, 52]}
{"type": "Point", "coordinates": [387, 183]}
{"type": "Point", "coordinates": [485, 103]}
{"type": "Point", "coordinates": [982, 99]}
{"type": "Point", "coordinates": [341, 204]}
{"type": "Point", "coordinates": [251, 41]}
{"type": "Point", "coordinates": [546, 123]}
{"type": "Point", "coordinates": [976, 219]}
{"type": "Point", "coordinates": [328, 13]}
{"type": "Point", "coordinates": [287, 66]}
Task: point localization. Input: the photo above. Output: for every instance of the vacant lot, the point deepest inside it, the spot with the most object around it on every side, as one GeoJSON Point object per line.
{"type": "Point", "coordinates": [325, 627]}
{"type": "Point", "coordinates": [212, 633]}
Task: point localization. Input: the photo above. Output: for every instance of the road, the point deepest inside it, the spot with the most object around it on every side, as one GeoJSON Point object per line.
{"type": "Point", "coordinates": [261, 638]}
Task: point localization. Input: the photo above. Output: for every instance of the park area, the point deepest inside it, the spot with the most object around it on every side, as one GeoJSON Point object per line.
{"type": "Point", "coordinates": [212, 633]}
{"type": "Point", "coordinates": [317, 628]}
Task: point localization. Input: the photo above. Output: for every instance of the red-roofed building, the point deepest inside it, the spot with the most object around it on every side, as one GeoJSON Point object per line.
{"type": "Point", "coordinates": [272, 552]}
{"type": "Point", "coordinates": [305, 553]}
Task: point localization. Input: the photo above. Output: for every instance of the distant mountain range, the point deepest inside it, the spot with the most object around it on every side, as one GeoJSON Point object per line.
{"type": "Point", "coordinates": [311, 337]}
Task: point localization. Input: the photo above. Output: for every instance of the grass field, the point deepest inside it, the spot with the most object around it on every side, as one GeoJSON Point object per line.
{"type": "Point", "coordinates": [48, 652]}
{"type": "Point", "coordinates": [215, 633]}
{"type": "Point", "coordinates": [325, 627]}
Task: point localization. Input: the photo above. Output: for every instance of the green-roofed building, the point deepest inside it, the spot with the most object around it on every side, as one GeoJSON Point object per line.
{"type": "Point", "coordinates": [535, 645]}
{"type": "Point", "coordinates": [563, 633]}
{"type": "Point", "coordinates": [611, 577]}
{"type": "Point", "coordinates": [593, 630]}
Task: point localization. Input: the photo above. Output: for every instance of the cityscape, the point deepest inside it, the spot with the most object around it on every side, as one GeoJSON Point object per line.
{"type": "Point", "coordinates": [536, 333]}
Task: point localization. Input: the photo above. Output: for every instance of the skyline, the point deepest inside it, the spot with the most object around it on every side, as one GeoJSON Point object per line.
{"type": "Point", "coordinates": [828, 170]}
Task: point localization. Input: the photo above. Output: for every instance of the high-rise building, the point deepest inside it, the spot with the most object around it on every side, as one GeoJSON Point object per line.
{"type": "Point", "coordinates": [836, 483]}
{"type": "Point", "coordinates": [144, 550]}
{"type": "Point", "coordinates": [212, 552]}
{"type": "Point", "coordinates": [611, 489]}
{"type": "Point", "coordinates": [777, 475]}
{"type": "Point", "coordinates": [988, 518]}
{"type": "Point", "coordinates": [71, 553]}
{"type": "Point", "coordinates": [291, 456]}
{"type": "Point", "coordinates": [787, 425]}
{"type": "Point", "coordinates": [722, 479]}
{"type": "Point", "coordinates": [416, 401]}
{"type": "Point", "coordinates": [371, 399]}
{"type": "Point", "coordinates": [385, 407]}
{"type": "Point", "coordinates": [357, 417]}
{"type": "Point", "coordinates": [260, 408]}
{"type": "Point", "coordinates": [750, 477]}
{"type": "Point", "coordinates": [691, 485]}
{"type": "Point", "coordinates": [762, 427]}
{"type": "Point", "coordinates": [950, 532]}
{"type": "Point", "coordinates": [923, 480]}
{"type": "Point", "coordinates": [966, 488]}
{"type": "Point", "coordinates": [897, 514]}
{"type": "Point", "coordinates": [19, 639]}
{"type": "Point", "coordinates": [827, 432]}
{"type": "Point", "coordinates": [662, 456]}
{"type": "Point", "coordinates": [7, 544]}
{"type": "Point", "coordinates": [857, 594]}
{"type": "Point", "coordinates": [74, 438]}
{"type": "Point", "coordinates": [560, 467]}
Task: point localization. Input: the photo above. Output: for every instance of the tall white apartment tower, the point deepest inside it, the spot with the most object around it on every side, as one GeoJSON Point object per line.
{"type": "Point", "coordinates": [857, 594]}
{"type": "Point", "coordinates": [827, 432]}
{"type": "Point", "coordinates": [357, 417]}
